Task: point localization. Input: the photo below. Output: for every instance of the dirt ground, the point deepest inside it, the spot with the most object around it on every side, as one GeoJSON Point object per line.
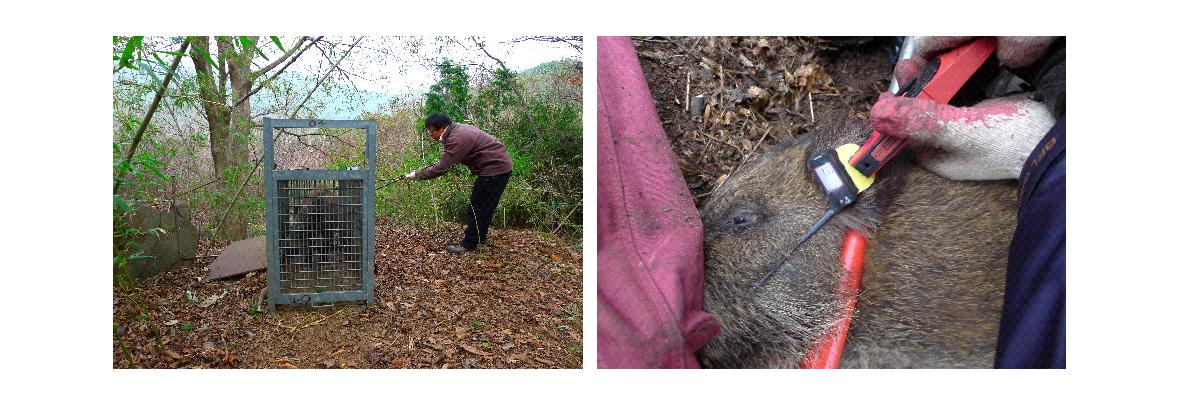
{"type": "Point", "coordinates": [756, 92]}
{"type": "Point", "coordinates": [517, 304]}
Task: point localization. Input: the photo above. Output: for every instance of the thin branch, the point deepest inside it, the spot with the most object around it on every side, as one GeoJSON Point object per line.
{"type": "Point", "coordinates": [144, 124]}
{"type": "Point", "coordinates": [325, 76]}
{"type": "Point", "coordinates": [516, 90]}
{"type": "Point", "coordinates": [236, 198]}
{"type": "Point", "coordinates": [270, 79]}
{"type": "Point", "coordinates": [342, 72]}
{"type": "Point", "coordinates": [179, 95]}
{"type": "Point", "coordinates": [573, 42]}
{"type": "Point", "coordinates": [274, 64]}
{"type": "Point", "coordinates": [199, 187]}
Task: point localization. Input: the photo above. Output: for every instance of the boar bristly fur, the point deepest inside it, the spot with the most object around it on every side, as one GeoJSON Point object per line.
{"type": "Point", "coordinates": [933, 280]}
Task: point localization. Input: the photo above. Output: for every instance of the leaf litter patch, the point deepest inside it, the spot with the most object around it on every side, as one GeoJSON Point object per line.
{"type": "Point", "coordinates": [515, 304]}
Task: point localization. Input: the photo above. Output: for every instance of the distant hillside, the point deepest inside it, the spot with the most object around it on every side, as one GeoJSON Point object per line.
{"type": "Point", "coordinates": [560, 73]}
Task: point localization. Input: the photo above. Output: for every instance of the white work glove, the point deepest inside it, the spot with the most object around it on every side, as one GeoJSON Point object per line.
{"type": "Point", "coordinates": [990, 140]}
{"type": "Point", "coordinates": [410, 175]}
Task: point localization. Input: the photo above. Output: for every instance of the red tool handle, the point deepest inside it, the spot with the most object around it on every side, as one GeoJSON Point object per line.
{"type": "Point", "coordinates": [954, 69]}
{"type": "Point", "coordinates": [829, 350]}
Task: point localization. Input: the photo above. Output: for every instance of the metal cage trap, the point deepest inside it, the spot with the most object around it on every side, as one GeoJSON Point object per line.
{"type": "Point", "coordinates": [320, 224]}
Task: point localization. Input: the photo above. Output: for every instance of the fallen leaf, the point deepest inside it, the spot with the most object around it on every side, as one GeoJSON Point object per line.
{"type": "Point", "coordinates": [212, 299]}
{"type": "Point", "coordinates": [173, 355]}
{"type": "Point", "coordinates": [171, 322]}
{"type": "Point", "coordinates": [339, 351]}
{"type": "Point", "coordinates": [474, 350]}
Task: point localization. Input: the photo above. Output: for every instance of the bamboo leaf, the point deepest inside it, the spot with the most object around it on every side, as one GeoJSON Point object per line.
{"type": "Point", "coordinates": [152, 74]}
{"type": "Point", "coordinates": [165, 65]}
{"type": "Point", "coordinates": [278, 42]}
{"type": "Point", "coordinates": [119, 202]}
{"type": "Point", "coordinates": [250, 45]}
{"type": "Point", "coordinates": [129, 48]}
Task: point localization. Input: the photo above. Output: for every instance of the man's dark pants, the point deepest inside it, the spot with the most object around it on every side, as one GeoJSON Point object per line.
{"type": "Point", "coordinates": [485, 195]}
{"type": "Point", "coordinates": [1033, 322]}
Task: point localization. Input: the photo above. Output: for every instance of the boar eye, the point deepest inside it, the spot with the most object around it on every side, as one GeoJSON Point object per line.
{"type": "Point", "coordinates": [742, 219]}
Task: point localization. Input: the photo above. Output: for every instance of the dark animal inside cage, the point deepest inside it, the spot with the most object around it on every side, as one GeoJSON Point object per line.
{"type": "Point", "coordinates": [321, 235]}
{"type": "Point", "coordinates": [321, 223]}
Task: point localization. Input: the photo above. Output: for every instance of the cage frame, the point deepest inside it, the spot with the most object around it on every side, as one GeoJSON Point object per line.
{"type": "Point", "coordinates": [272, 222]}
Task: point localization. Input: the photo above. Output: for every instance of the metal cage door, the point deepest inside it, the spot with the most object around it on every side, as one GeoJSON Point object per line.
{"type": "Point", "coordinates": [321, 225]}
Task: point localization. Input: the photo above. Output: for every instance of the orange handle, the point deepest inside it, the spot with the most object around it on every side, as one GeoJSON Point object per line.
{"type": "Point", "coordinates": [829, 350]}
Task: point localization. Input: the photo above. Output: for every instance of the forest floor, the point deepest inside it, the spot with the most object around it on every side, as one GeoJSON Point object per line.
{"type": "Point", "coordinates": [516, 304]}
{"type": "Point", "coordinates": [756, 92]}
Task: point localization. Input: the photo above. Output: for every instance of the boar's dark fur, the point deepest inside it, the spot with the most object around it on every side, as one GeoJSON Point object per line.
{"type": "Point", "coordinates": [934, 274]}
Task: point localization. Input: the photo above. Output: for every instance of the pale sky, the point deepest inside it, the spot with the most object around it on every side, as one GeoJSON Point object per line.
{"type": "Point", "coordinates": [387, 67]}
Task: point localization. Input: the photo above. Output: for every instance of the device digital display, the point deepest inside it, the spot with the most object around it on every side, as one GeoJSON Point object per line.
{"type": "Point", "coordinates": [828, 177]}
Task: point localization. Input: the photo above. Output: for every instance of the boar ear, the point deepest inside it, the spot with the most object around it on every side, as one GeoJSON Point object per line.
{"type": "Point", "coordinates": [851, 131]}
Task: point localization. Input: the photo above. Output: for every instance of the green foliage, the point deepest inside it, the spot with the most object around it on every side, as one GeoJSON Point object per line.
{"type": "Point", "coordinates": [450, 94]}
{"type": "Point", "coordinates": [542, 131]}
{"type": "Point", "coordinates": [130, 49]}
{"type": "Point", "coordinates": [140, 173]}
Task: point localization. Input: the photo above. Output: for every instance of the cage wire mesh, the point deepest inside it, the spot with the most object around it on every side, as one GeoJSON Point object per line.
{"type": "Point", "coordinates": [321, 223]}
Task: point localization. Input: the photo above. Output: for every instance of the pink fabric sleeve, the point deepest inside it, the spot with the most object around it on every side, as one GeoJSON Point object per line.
{"type": "Point", "coordinates": [650, 251]}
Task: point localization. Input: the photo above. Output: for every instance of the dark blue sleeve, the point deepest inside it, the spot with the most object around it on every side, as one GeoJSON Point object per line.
{"type": "Point", "coordinates": [1033, 321]}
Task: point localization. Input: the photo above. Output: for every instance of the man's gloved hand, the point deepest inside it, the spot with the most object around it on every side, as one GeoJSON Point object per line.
{"type": "Point", "coordinates": [1013, 52]}
{"type": "Point", "coordinates": [410, 175]}
{"type": "Point", "coordinates": [990, 140]}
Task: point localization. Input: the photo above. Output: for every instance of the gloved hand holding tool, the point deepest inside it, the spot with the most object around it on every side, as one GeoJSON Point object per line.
{"type": "Point", "coordinates": [1012, 137]}
{"type": "Point", "coordinates": [990, 140]}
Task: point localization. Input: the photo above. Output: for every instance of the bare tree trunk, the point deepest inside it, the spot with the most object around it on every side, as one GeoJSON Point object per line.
{"type": "Point", "coordinates": [213, 101]}
{"type": "Point", "coordinates": [231, 124]}
{"type": "Point", "coordinates": [239, 71]}
{"type": "Point", "coordinates": [225, 150]}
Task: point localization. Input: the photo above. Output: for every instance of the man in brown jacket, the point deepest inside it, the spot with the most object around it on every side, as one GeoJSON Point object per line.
{"type": "Point", "coordinates": [487, 159]}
